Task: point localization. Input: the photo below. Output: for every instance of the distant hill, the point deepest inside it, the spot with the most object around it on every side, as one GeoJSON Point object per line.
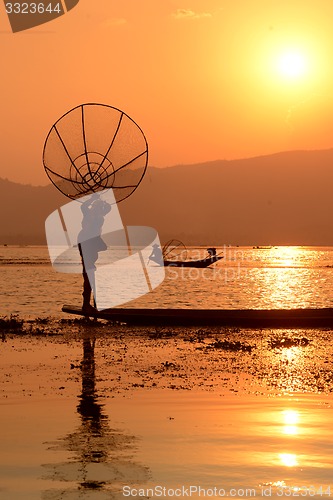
{"type": "Point", "coordinates": [23, 210]}
{"type": "Point", "coordinates": [280, 199]}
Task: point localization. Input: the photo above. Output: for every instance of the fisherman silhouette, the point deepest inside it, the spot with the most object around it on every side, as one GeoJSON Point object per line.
{"type": "Point", "coordinates": [156, 254]}
{"type": "Point", "coordinates": [90, 243]}
{"type": "Point", "coordinates": [211, 251]}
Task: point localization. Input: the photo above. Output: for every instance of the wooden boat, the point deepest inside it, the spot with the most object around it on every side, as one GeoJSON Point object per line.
{"type": "Point", "coordinates": [245, 318]}
{"type": "Point", "coordinates": [202, 263]}
{"type": "Point", "coordinates": [175, 248]}
{"type": "Point", "coordinates": [263, 248]}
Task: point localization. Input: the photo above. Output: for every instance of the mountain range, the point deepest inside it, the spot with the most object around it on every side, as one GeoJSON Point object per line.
{"type": "Point", "coordinates": [280, 199]}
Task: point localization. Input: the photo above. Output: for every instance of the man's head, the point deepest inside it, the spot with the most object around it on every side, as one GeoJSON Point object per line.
{"type": "Point", "coordinates": [101, 207]}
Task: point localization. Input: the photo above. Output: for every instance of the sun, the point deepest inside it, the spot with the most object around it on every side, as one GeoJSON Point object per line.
{"type": "Point", "coordinates": [292, 65]}
{"type": "Point", "coordinates": [288, 68]}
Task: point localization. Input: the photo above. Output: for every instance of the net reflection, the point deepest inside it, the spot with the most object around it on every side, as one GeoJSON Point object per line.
{"type": "Point", "coordinates": [101, 457]}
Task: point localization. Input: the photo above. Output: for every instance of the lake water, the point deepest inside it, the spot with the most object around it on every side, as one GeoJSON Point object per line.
{"type": "Point", "coordinates": [247, 278]}
{"type": "Point", "coordinates": [95, 411]}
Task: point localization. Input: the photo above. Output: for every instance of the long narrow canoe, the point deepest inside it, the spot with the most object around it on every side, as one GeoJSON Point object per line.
{"type": "Point", "coordinates": [246, 318]}
{"type": "Point", "coordinates": [202, 263]}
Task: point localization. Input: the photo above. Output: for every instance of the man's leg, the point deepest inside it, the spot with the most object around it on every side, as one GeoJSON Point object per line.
{"type": "Point", "coordinates": [86, 294]}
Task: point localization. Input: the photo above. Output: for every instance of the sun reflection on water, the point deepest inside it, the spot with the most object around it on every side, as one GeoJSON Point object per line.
{"type": "Point", "coordinates": [288, 459]}
{"type": "Point", "coordinates": [285, 279]}
{"type": "Point", "coordinates": [291, 256]}
{"type": "Point", "coordinates": [291, 419]}
{"type": "Point", "coordinates": [288, 256]}
{"type": "Point", "coordinates": [286, 359]}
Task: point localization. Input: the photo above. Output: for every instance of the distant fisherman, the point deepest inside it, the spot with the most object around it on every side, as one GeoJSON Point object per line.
{"type": "Point", "coordinates": [211, 252]}
{"type": "Point", "coordinates": [156, 254]}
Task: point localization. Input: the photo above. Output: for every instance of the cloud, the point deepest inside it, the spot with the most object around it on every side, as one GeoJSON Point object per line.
{"type": "Point", "coordinates": [115, 21]}
{"type": "Point", "coordinates": [190, 14]}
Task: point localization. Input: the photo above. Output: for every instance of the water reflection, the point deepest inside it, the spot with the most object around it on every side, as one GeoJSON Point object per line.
{"type": "Point", "coordinates": [286, 288]}
{"type": "Point", "coordinates": [288, 256]}
{"type": "Point", "coordinates": [291, 436]}
{"type": "Point", "coordinates": [101, 460]}
{"type": "Point", "coordinates": [290, 423]}
{"type": "Point", "coordinates": [286, 277]}
{"type": "Point", "coordinates": [245, 278]}
{"type": "Point", "coordinates": [288, 459]}
{"type": "Point", "coordinates": [291, 420]}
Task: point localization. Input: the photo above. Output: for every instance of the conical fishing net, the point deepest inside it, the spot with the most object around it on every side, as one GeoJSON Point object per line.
{"type": "Point", "coordinates": [174, 250]}
{"type": "Point", "coordinates": [95, 147]}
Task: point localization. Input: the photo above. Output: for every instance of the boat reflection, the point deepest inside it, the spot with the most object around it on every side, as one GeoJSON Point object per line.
{"type": "Point", "coordinates": [101, 460]}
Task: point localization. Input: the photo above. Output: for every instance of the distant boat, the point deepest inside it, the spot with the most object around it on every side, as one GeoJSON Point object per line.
{"type": "Point", "coordinates": [174, 254]}
{"type": "Point", "coordinates": [202, 263]}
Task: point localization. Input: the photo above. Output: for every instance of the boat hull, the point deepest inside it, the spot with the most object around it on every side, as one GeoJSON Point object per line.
{"type": "Point", "coordinates": [246, 318]}
{"type": "Point", "coordinates": [193, 263]}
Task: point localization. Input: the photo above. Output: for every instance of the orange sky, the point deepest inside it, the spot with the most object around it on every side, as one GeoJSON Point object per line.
{"type": "Point", "coordinates": [203, 78]}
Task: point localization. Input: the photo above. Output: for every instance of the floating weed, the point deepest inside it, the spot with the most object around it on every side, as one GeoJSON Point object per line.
{"type": "Point", "coordinates": [228, 346]}
{"type": "Point", "coordinates": [161, 333]}
{"type": "Point", "coordinates": [11, 323]}
{"type": "Point", "coordinates": [287, 342]}
{"type": "Point", "coordinates": [42, 321]}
